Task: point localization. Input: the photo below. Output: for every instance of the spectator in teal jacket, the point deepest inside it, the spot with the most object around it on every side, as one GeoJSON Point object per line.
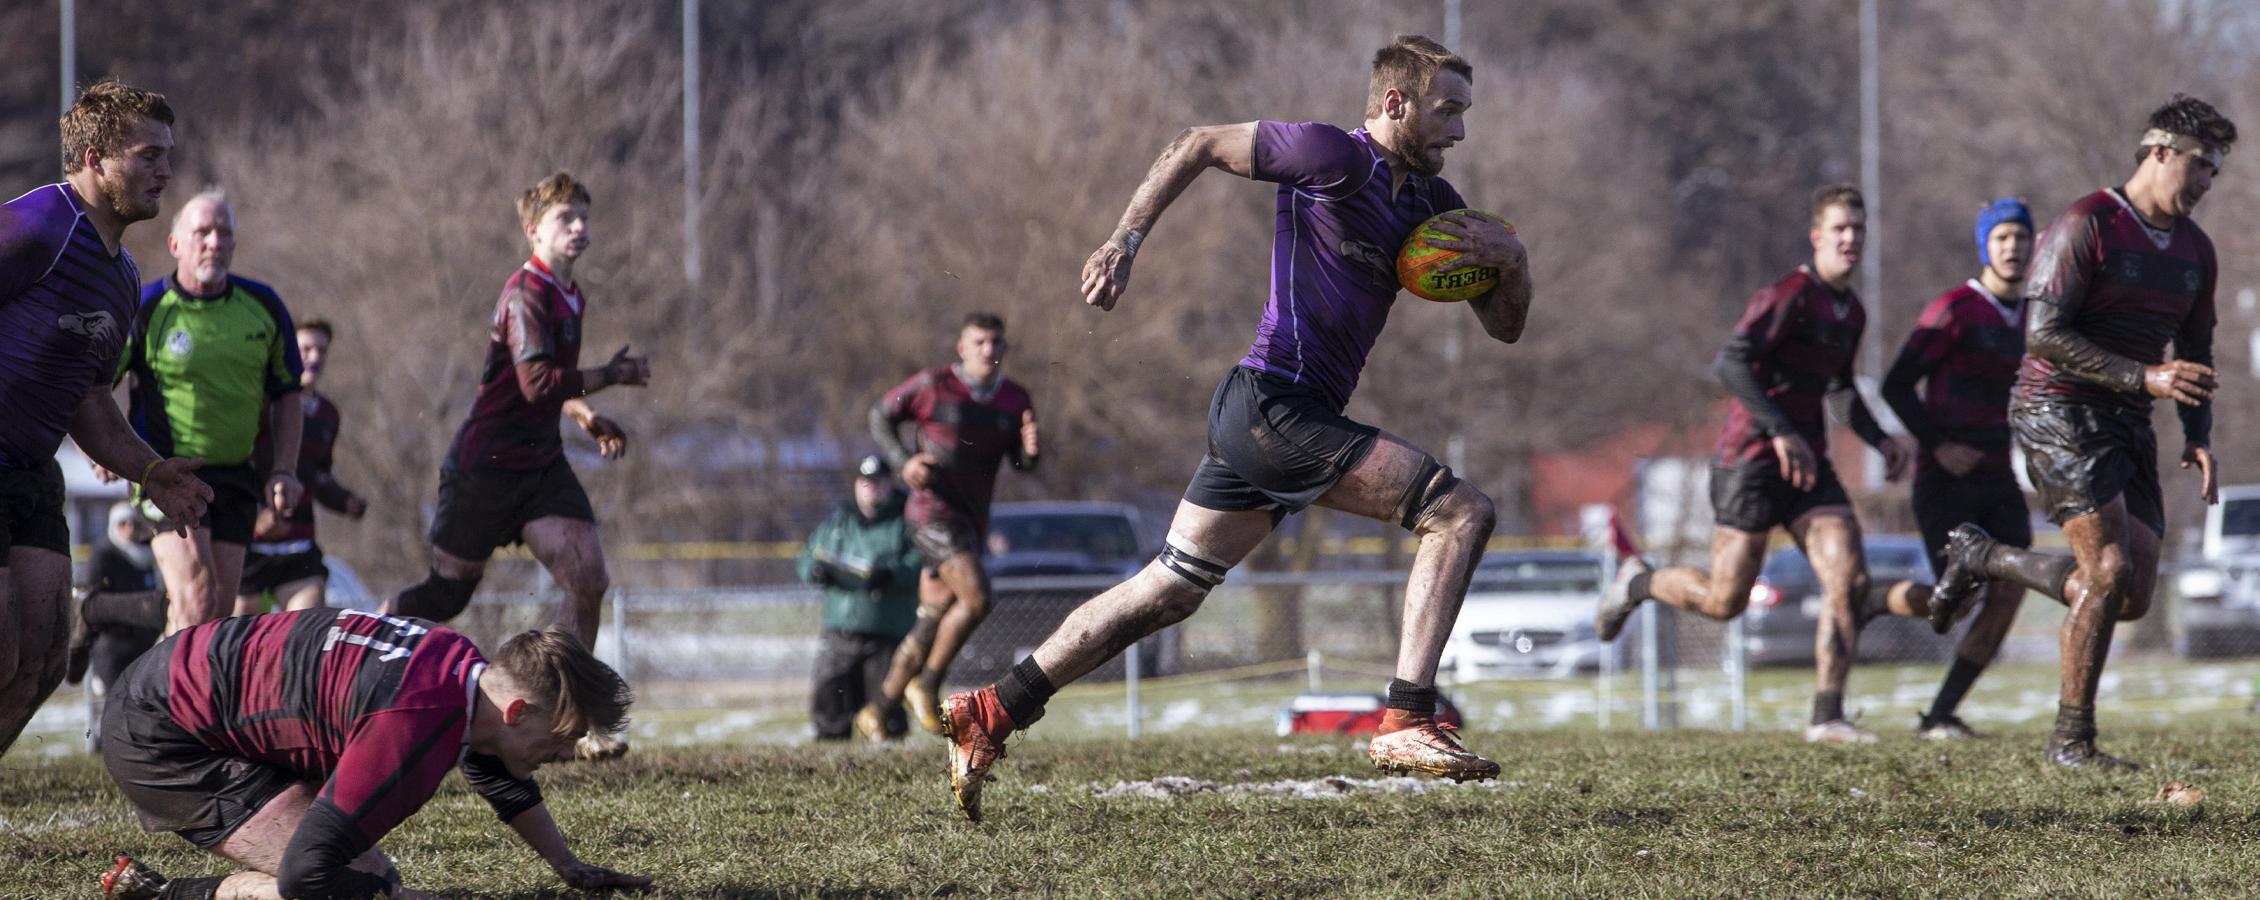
{"type": "Point", "coordinates": [863, 559]}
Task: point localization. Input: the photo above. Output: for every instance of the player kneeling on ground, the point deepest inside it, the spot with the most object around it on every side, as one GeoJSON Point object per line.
{"type": "Point", "coordinates": [291, 743]}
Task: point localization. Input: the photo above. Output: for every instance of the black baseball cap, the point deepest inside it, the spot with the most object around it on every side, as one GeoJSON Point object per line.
{"type": "Point", "coordinates": [872, 466]}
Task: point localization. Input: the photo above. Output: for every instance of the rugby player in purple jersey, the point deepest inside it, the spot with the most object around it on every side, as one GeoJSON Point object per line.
{"type": "Point", "coordinates": [67, 297]}
{"type": "Point", "coordinates": [2119, 276]}
{"type": "Point", "coordinates": [290, 744]}
{"type": "Point", "coordinates": [1278, 441]}
{"type": "Point", "coordinates": [1789, 359]}
{"type": "Point", "coordinates": [1964, 352]}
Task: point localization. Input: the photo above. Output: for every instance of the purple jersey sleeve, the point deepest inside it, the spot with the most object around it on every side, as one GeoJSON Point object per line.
{"type": "Point", "coordinates": [29, 246]}
{"type": "Point", "coordinates": [1313, 157]}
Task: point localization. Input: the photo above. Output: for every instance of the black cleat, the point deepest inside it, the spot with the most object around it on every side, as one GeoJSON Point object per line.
{"type": "Point", "coordinates": [2080, 753]}
{"type": "Point", "coordinates": [1617, 603]}
{"type": "Point", "coordinates": [1966, 547]}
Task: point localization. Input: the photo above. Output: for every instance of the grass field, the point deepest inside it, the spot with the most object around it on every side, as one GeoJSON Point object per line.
{"type": "Point", "coordinates": [1236, 813]}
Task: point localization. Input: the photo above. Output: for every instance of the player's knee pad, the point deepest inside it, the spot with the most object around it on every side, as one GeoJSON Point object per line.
{"type": "Point", "coordinates": [1427, 490]}
{"type": "Point", "coordinates": [1185, 561]}
{"type": "Point", "coordinates": [439, 598]}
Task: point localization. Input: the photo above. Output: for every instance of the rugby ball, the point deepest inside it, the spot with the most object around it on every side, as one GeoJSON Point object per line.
{"type": "Point", "coordinates": [1418, 263]}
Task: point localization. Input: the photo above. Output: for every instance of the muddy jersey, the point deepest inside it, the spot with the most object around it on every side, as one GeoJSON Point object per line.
{"type": "Point", "coordinates": [1965, 350]}
{"type": "Point", "coordinates": [2130, 289]}
{"type": "Point", "coordinates": [1333, 250]}
{"type": "Point", "coordinates": [66, 307]}
{"type": "Point", "coordinates": [972, 436]}
{"type": "Point", "coordinates": [317, 453]}
{"type": "Point", "coordinates": [1797, 337]}
{"type": "Point", "coordinates": [375, 709]}
{"type": "Point", "coordinates": [532, 367]}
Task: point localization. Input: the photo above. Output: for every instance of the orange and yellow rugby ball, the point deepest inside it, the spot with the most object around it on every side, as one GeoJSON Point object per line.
{"type": "Point", "coordinates": [1418, 263]}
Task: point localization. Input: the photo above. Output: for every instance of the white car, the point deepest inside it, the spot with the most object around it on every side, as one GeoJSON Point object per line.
{"type": "Point", "coordinates": [1530, 613]}
{"type": "Point", "coordinates": [2220, 591]}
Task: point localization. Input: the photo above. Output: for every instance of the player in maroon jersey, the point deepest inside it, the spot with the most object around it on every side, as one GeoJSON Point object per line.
{"type": "Point", "coordinates": [505, 480]}
{"type": "Point", "coordinates": [284, 558]}
{"type": "Point", "coordinates": [292, 743]}
{"type": "Point", "coordinates": [1964, 351]}
{"type": "Point", "coordinates": [970, 421]}
{"type": "Point", "coordinates": [2120, 274]}
{"type": "Point", "coordinates": [1789, 357]}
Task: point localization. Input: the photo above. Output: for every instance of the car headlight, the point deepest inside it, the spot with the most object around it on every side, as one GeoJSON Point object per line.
{"type": "Point", "coordinates": [2204, 583]}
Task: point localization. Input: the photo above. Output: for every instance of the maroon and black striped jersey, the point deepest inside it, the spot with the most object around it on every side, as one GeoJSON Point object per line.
{"type": "Point", "coordinates": [532, 367]}
{"type": "Point", "coordinates": [1796, 339]}
{"type": "Point", "coordinates": [972, 436]}
{"type": "Point", "coordinates": [1965, 351]}
{"type": "Point", "coordinates": [375, 709]}
{"type": "Point", "coordinates": [2128, 289]}
{"type": "Point", "coordinates": [317, 452]}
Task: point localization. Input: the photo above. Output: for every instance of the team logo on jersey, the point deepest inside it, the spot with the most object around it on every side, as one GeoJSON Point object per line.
{"type": "Point", "coordinates": [100, 329]}
{"type": "Point", "coordinates": [1377, 262]}
{"type": "Point", "coordinates": [179, 345]}
{"type": "Point", "coordinates": [569, 331]}
{"type": "Point", "coordinates": [2191, 280]}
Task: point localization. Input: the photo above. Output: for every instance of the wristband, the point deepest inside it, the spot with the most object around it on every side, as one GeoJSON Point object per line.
{"type": "Point", "coordinates": [152, 467]}
{"type": "Point", "coordinates": [1128, 239]}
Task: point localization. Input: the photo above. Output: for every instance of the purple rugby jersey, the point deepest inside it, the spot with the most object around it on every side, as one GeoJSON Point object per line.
{"type": "Point", "coordinates": [66, 305]}
{"type": "Point", "coordinates": [1333, 250]}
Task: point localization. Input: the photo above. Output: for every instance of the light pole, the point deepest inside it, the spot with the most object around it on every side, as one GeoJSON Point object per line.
{"type": "Point", "coordinates": [690, 142]}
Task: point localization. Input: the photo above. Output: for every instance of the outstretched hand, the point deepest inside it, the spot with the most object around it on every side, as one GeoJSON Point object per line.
{"type": "Point", "coordinates": [634, 371]}
{"type": "Point", "coordinates": [1106, 275]}
{"type": "Point", "coordinates": [591, 877]}
{"type": "Point", "coordinates": [173, 486]}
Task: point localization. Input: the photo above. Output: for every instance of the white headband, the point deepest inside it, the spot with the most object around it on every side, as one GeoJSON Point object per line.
{"type": "Point", "coordinates": [2159, 137]}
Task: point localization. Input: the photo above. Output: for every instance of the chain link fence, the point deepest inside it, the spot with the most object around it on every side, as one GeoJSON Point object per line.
{"type": "Point", "coordinates": [728, 664]}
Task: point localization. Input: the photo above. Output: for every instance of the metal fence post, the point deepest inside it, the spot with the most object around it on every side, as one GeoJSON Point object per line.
{"type": "Point", "coordinates": [1738, 674]}
{"type": "Point", "coordinates": [614, 644]}
{"type": "Point", "coordinates": [1130, 684]}
{"type": "Point", "coordinates": [1651, 675]}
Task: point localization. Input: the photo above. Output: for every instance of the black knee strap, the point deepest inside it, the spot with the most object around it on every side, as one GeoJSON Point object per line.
{"type": "Point", "coordinates": [1434, 483]}
{"type": "Point", "coordinates": [439, 598]}
{"type": "Point", "coordinates": [1204, 574]}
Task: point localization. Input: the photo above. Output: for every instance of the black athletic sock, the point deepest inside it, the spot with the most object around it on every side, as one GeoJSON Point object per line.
{"type": "Point", "coordinates": [2040, 571]}
{"type": "Point", "coordinates": [1413, 698]}
{"type": "Point", "coordinates": [191, 888]}
{"type": "Point", "coordinates": [1637, 587]}
{"type": "Point", "coordinates": [1024, 691]}
{"type": "Point", "coordinates": [1828, 706]}
{"type": "Point", "coordinates": [143, 609]}
{"type": "Point", "coordinates": [2075, 722]}
{"type": "Point", "coordinates": [931, 680]}
{"type": "Point", "coordinates": [1959, 677]}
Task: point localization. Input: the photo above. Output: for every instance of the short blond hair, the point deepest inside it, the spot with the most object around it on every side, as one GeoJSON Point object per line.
{"type": "Point", "coordinates": [102, 115]}
{"type": "Point", "coordinates": [557, 189]}
{"type": "Point", "coordinates": [558, 675]}
{"type": "Point", "coordinates": [1408, 66]}
{"type": "Point", "coordinates": [1839, 194]}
